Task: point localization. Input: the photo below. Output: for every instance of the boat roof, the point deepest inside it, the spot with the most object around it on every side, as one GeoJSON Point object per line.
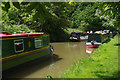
{"type": "Point", "coordinates": [98, 33]}
{"type": "Point", "coordinates": [75, 33]}
{"type": "Point", "coordinates": [20, 35]}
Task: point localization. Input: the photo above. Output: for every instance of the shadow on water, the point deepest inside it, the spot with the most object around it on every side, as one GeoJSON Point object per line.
{"type": "Point", "coordinates": [31, 66]}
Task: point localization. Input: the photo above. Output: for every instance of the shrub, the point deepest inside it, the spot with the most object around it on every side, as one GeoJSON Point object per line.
{"type": "Point", "coordinates": [15, 28]}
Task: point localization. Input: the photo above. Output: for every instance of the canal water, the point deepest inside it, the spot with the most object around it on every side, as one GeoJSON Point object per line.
{"type": "Point", "coordinates": [64, 56]}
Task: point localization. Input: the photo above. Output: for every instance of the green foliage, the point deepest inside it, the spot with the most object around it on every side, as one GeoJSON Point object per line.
{"type": "Point", "coordinates": [84, 17]}
{"type": "Point", "coordinates": [50, 17]}
{"type": "Point", "coordinates": [6, 6]}
{"type": "Point", "coordinates": [83, 25]}
{"type": "Point", "coordinates": [49, 77]}
{"type": "Point", "coordinates": [15, 28]}
{"type": "Point", "coordinates": [31, 6]}
{"type": "Point", "coordinates": [16, 4]}
{"type": "Point", "coordinates": [36, 15]}
{"type": "Point", "coordinates": [109, 8]}
{"type": "Point", "coordinates": [0, 18]}
{"type": "Point", "coordinates": [110, 11]}
{"type": "Point", "coordinates": [24, 3]}
{"type": "Point", "coordinates": [43, 10]}
{"type": "Point", "coordinates": [70, 30]}
{"type": "Point", "coordinates": [12, 16]}
{"type": "Point", "coordinates": [56, 33]}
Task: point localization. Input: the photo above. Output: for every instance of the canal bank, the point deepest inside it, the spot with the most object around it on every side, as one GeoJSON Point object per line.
{"type": "Point", "coordinates": [103, 63]}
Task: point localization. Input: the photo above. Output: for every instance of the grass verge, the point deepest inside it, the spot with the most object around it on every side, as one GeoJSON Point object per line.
{"type": "Point", "coordinates": [103, 63]}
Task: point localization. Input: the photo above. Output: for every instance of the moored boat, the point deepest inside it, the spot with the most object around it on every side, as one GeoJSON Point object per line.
{"type": "Point", "coordinates": [18, 48]}
{"type": "Point", "coordinates": [93, 44]}
{"type": "Point", "coordinates": [95, 39]}
{"type": "Point", "coordinates": [77, 36]}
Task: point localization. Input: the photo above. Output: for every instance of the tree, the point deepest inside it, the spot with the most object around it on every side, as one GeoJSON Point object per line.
{"type": "Point", "coordinates": [40, 16]}
{"type": "Point", "coordinates": [84, 17]}
{"type": "Point", "coordinates": [109, 11]}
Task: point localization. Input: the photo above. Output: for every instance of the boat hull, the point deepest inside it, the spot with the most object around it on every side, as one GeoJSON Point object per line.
{"type": "Point", "coordinates": [95, 45]}
{"type": "Point", "coordinates": [15, 60]}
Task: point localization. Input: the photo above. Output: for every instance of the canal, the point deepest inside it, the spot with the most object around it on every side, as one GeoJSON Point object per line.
{"type": "Point", "coordinates": [65, 54]}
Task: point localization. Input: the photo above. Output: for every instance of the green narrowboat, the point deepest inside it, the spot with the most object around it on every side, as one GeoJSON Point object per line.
{"type": "Point", "coordinates": [18, 48]}
{"type": "Point", "coordinates": [95, 39]}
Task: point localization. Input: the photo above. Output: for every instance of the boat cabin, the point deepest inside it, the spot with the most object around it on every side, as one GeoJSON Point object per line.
{"type": "Point", "coordinates": [95, 39]}
{"type": "Point", "coordinates": [78, 36]}
{"type": "Point", "coordinates": [18, 48]}
{"type": "Point", "coordinates": [75, 36]}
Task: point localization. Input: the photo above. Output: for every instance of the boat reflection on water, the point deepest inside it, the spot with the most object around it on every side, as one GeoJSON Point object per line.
{"type": "Point", "coordinates": [94, 41]}
{"type": "Point", "coordinates": [90, 50]}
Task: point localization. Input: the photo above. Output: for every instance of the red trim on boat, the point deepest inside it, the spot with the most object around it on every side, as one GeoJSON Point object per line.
{"type": "Point", "coordinates": [13, 35]}
{"type": "Point", "coordinates": [92, 45]}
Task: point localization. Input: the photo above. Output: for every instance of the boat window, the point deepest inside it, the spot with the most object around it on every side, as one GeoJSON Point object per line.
{"type": "Point", "coordinates": [19, 46]}
{"type": "Point", "coordinates": [38, 42]}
